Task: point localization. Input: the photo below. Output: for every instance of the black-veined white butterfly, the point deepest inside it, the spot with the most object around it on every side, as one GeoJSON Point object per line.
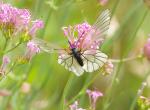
{"type": "Point", "coordinates": [83, 53]}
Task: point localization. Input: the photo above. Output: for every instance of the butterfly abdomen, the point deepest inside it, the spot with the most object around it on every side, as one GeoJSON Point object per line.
{"type": "Point", "coordinates": [77, 56]}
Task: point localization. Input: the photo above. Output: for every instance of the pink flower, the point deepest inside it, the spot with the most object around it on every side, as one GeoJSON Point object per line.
{"type": "Point", "coordinates": [84, 36]}
{"type": "Point", "coordinates": [37, 24]}
{"type": "Point", "coordinates": [32, 49]}
{"type": "Point", "coordinates": [6, 61]}
{"type": "Point", "coordinates": [147, 49]}
{"type": "Point", "coordinates": [12, 15]}
{"type": "Point", "coordinates": [74, 106]}
{"type": "Point", "coordinates": [25, 88]}
{"type": "Point", "coordinates": [5, 92]}
{"type": "Point", "coordinates": [13, 19]}
{"type": "Point", "coordinates": [94, 95]}
{"type": "Point", "coordinates": [82, 29]}
{"type": "Point", "coordinates": [103, 2]}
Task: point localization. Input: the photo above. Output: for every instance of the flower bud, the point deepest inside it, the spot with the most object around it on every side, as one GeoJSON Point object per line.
{"type": "Point", "coordinates": [37, 24]}
{"type": "Point", "coordinates": [147, 49]}
{"type": "Point", "coordinates": [109, 67]}
{"type": "Point", "coordinates": [103, 2]}
{"type": "Point", "coordinates": [25, 88]}
{"type": "Point", "coordinates": [5, 62]}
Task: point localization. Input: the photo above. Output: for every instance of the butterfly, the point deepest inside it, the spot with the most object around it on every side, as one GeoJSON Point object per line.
{"type": "Point", "coordinates": [83, 54]}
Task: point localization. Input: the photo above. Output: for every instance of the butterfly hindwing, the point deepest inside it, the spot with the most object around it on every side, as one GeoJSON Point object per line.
{"type": "Point", "coordinates": [70, 63]}
{"type": "Point", "coordinates": [93, 60]}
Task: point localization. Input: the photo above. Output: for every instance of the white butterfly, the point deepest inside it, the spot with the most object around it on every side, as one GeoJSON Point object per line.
{"type": "Point", "coordinates": [83, 53]}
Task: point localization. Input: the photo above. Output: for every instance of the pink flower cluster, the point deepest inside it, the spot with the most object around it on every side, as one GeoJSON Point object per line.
{"type": "Point", "coordinates": [12, 16]}
{"type": "Point", "coordinates": [17, 20]}
{"type": "Point", "coordinates": [83, 39]}
{"type": "Point", "coordinates": [83, 29]}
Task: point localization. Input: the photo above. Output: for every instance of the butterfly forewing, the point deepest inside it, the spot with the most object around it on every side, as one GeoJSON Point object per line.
{"type": "Point", "coordinates": [48, 47]}
{"type": "Point", "coordinates": [102, 24]}
{"type": "Point", "coordinates": [98, 30]}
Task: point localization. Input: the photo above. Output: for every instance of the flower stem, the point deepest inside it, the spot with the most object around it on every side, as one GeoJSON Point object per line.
{"type": "Point", "coordinates": [5, 45]}
{"type": "Point", "coordinates": [46, 23]}
{"type": "Point", "coordinates": [83, 90]}
{"type": "Point", "coordinates": [13, 48]}
{"type": "Point", "coordinates": [125, 59]}
{"type": "Point", "coordinates": [66, 91]}
{"type": "Point", "coordinates": [140, 90]}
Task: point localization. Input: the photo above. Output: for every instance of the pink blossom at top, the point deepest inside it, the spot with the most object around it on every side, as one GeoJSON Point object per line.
{"type": "Point", "coordinates": [83, 39]}
{"type": "Point", "coordinates": [94, 95]}
{"type": "Point", "coordinates": [25, 16]}
{"type": "Point", "coordinates": [83, 29]}
{"type": "Point", "coordinates": [37, 24]}
{"type": "Point", "coordinates": [13, 16]}
{"type": "Point", "coordinates": [18, 20]}
{"type": "Point", "coordinates": [147, 49]}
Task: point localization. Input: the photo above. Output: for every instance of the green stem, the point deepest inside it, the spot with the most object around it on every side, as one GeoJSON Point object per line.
{"type": "Point", "coordinates": [115, 7]}
{"type": "Point", "coordinates": [135, 32]}
{"type": "Point", "coordinates": [66, 89]}
{"type": "Point", "coordinates": [125, 59]}
{"type": "Point", "coordinates": [13, 48]}
{"type": "Point", "coordinates": [83, 90]}
{"type": "Point", "coordinates": [110, 88]}
{"type": "Point", "coordinates": [140, 90]}
{"type": "Point", "coordinates": [46, 23]}
{"type": "Point", "coordinates": [109, 91]}
{"type": "Point", "coordinates": [5, 45]}
{"type": "Point", "coordinates": [12, 67]}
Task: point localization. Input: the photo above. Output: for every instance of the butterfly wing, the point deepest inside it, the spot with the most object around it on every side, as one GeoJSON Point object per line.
{"type": "Point", "coordinates": [101, 25]}
{"type": "Point", "coordinates": [98, 30]}
{"type": "Point", "coordinates": [69, 62]}
{"type": "Point", "coordinates": [93, 60]}
{"type": "Point", "coordinates": [65, 58]}
{"type": "Point", "coordinates": [48, 47]}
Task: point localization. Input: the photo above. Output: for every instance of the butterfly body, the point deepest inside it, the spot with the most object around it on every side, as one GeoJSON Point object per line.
{"type": "Point", "coordinates": [77, 56]}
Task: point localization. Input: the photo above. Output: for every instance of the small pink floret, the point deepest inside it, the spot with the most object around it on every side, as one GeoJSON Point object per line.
{"type": "Point", "coordinates": [147, 49]}
{"type": "Point", "coordinates": [32, 47]}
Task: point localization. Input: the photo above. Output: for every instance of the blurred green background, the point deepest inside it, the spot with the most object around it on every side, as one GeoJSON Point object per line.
{"type": "Point", "coordinates": [128, 31]}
